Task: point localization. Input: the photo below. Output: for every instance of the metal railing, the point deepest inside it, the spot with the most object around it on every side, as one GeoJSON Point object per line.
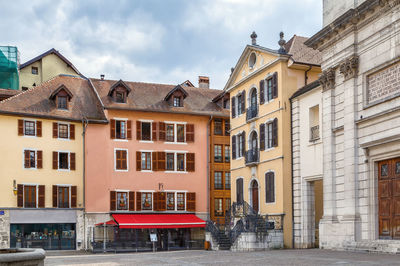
{"type": "Point", "coordinates": [251, 112]}
{"type": "Point", "coordinates": [252, 156]}
{"type": "Point", "coordinates": [314, 133]}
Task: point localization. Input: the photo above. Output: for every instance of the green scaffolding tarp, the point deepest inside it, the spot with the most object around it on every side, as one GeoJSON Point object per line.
{"type": "Point", "coordinates": [9, 78]}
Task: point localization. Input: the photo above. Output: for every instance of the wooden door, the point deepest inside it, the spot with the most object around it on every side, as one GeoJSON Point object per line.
{"type": "Point", "coordinates": [254, 191]}
{"type": "Point", "coordinates": [389, 199]}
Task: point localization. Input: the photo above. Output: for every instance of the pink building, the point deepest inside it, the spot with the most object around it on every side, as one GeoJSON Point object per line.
{"type": "Point", "coordinates": [146, 170]}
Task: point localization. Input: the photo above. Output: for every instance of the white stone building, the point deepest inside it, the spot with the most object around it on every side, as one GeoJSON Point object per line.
{"type": "Point", "coordinates": [361, 124]}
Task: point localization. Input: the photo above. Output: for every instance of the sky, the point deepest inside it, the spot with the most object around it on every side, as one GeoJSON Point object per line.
{"type": "Point", "coordinates": [160, 41]}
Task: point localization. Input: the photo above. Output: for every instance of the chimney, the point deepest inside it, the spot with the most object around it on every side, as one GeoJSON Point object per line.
{"type": "Point", "coordinates": [253, 37]}
{"type": "Point", "coordinates": [102, 76]}
{"type": "Point", "coordinates": [204, 82]}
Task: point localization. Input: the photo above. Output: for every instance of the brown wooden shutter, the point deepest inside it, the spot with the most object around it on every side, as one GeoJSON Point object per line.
{"type": "Point", "coordinates": [39, 157]}
{"type": "Point", "coordinates": [55, 160]}
{"type": "Point", "coordinates": [55, 130]}
{"type": "Point", "coordinates": [154, 131]}
{"type": "Point", "coordinates": [189, 133]}
{"type": "Point", "coordinates": [129, 129]}
{"type": "Point", "coordinates": [20, 195]}
{"type": "Point", "coordinates": [162, 201]}
{"type": "Point", "coordinates": [161, 130]}
{"type": "Point", "coordinates": [155, 201]}
{"type": "Point", "coordinates": [191, 201]}
{"type": "Point", "coordinates": [233, 107]}
{"type": "Point", "coordinates": [275, 85]}
{"type": "Point", "coordinates": [71, 131]}
{"type": "Point", "coordinates": [275, 133]}
{"type": "Point", "coordinates": [113, 200]}
{"type": "Point", "coordinates": [262, 92]}
{"type": "Point", "coordinates": [138, 161]}
{"type": "Point", "coordinates": [20, 128]}
{"type": "Point", "coordinates": [38, 128]}
{"type": "Point", "coordinates": [112, 128]}
{"type": "Point", "coordinates": [154, 161]}
{"type": "Point", "coordinates": [124, 161]}
{"type": "Point", "coordinates": [234, 147]}
{"type": "Point", "coordinates": [55, 192]}
{"type": "Point", "coordinates": [138, 201]}
{"type": "Point", "coordinates": [262, 137]}
{"type": "Point", "coordinates": [138, 130]}
{"type": "Point", "coordinates": [73, 196]}
{"type": "Point", "coordinates": [41, 196]}
{"type": "Point", "coordinates": [72, 161]}
{"type": "Point", "coordinates": [243, 142]}
{"type": "Point", "coordinates": [26, 159]}
{"type": "Point", "coordinates": [161, 161]}
{"type": "Point", "coordinates": [131, 201]}
{"type": "Point", "coordinates": [190, 164]}
{"type": "Point", "coordinates": [243, 101]}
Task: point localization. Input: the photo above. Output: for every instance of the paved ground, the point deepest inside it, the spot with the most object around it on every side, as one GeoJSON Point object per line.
{"type": "Point", "coordinates": [273, 257]}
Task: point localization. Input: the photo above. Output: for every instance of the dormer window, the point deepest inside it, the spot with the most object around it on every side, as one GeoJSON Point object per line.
{"type": "Point", "coordinates": [61, 97]}
{"type": "Point", "coordinates": [177, 101]}
{"type": "Point", "coordinates": [62, 102]}
{"type": "Point", "coordinates": [119, 92]}
{"type": "Point", "coordinates": [119, 97]}
{"type": "Point", "coordinates": [176, 96]}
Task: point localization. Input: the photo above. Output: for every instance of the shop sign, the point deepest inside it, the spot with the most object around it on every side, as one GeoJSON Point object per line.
{"type": "Point", "coordinates": [153, 237]}
{"type": "Point", "coordinates": [1, 212]}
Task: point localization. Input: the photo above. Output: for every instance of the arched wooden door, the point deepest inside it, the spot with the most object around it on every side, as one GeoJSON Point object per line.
{"type": "Point", "coordinates": [254, 195]}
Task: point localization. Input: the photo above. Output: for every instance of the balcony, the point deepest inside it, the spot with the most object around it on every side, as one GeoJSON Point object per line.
{"type": "Point", "coordinates": [252, 157]}
{"type": "Point", "coordinates": [251, 112]}
{"type": "Point", "coordinates": [314, 133]}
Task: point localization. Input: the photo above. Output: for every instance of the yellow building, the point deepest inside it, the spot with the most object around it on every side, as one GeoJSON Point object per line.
{"type": "Point", "coordinates": [260, 86]}
{"type": "Point", "coordinates": [42, 162]}
{"type": "Point", "coordinates": [44, 67]}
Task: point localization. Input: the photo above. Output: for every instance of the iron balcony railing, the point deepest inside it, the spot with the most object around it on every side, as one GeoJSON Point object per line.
{"type": "Point", "coordinates": [314, 133]}
{"type": "Point", "coordinates": [251, 112]}
{"type": "Point", "coordinates": [252, 156]}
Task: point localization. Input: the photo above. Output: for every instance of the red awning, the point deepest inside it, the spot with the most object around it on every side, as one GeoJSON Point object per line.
{"type": "Point", "coordinates": [111, 222]}
{"type": "Point", "coordinates": [158, 221]}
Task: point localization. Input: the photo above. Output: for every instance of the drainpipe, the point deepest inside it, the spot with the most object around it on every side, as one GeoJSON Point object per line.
{"type": "Point", "coordinates": [291, 150]}
{"type": "Point", "coordinates": [84, 126]}
{"type": "Point", "coordinates": [208, 166]}
{"type": "Point", "coordinates": [306, 76]}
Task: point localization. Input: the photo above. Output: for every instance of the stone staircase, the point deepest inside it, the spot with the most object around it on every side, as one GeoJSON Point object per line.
{"type": "Point", "coordinates": [224, 242]}
{"type": "Point", "coordinates": [374, 246]}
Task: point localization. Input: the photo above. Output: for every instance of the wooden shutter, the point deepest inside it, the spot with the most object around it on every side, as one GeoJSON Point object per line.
{"type": "Point", "coordinates": [138, 130]}
{"type": "Point", "coordinates": [20, 196]}
{"type": "Point", "coordinates": [55, 130]}
{"type": "Point", "coordinates": [41, 196]}
{"type": "Point", "coordinates": [38, 128]}
{"type": "Point", "coordinates": [190, 164]}
{"type": "Point", "coordinates": [161, 161]}
{"type": "Point", "coordinates": [243, 101]}
{"type": "Point", "coordinates": [262, 92]}
{"type": "Point", "coordinates": [55, 160]}
{"type": "Point", "coordinates": [72, 161]}
{"type": "Point", "coordinates": [154, 161]}
{"type": "Point", "coordinates": [162, 201]}
{"type": "Point", "coordinates": [71, 131]}
{"type": "Point", "coordinates": [190, 133]}
{"type": "Point", "coordinates": [131, 201]}
{"type": "Point", "coordinates": [138, 161]}
{"type": "Point", "coordinates": [243, 142]}
{"type": "Point", "coordinates": [129, 129]}
{"type": "Point", "coordinates": [113, 200]}
{"type": "Point", "coordinates": [275, 133]}
{"type": "Point", "coordinates": [275, 85]}
{"type": "Point", "coordinates": [124, 161]}
{"type": "Point", "coordinates": [138, 201]}
{"type": "Point", "coordinates": [20, 128]}
{"type": "Point", "coordinates": [191, 201]}
{"type": "Point", "coordinates": [155, 201]}
{"type": "Point", "coordinates": [161, 130]}
{"type": "Point", "coordinates": [112, 128]}
{"type": "Point", "coordinates": [73, 196]}
{"type": "Point", "coordinates": [39, 158]}
{"type": "Point", "coordinates": [26, 159]}
{"type": "Point", "coordinates": [154, 131]}
{"type": "Point", "coordinates": [262, 137]}
{"type": "Point", "coordinates": [55, 192]}
{"type": "Point", "coordinates": [234, 147]}
{"type": "Point", "coordinates": [233, 107]}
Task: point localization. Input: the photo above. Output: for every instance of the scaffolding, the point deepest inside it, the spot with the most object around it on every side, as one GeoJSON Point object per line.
{"type": "Point", "coordinates": [9, 62]}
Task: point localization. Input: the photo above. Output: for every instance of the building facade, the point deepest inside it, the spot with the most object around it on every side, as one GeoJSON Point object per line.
{"type": "Point", "coordinates": [361, 166]}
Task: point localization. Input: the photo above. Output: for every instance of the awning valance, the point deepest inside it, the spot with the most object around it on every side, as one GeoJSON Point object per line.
{"type": "Point", "coordinates": [138, 221]}
{"type": "Point", "coordinates": [111, 222]}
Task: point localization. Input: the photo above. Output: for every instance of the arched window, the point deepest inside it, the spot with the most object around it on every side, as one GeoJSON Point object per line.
{"type": "Point", "coordinates": [270, 187]}
{"type": "Point", "coordinates": [253, 141]}
{"type": "Point", "coordinates": [254, 195]}
{"type": "Point", "coordinates": [253, 98]}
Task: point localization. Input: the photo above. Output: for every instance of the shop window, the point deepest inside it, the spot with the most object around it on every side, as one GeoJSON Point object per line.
{"type": "Point", "coordinates": [227, 153]}
{"type": "Point", "coordinates": [218, 127]}
{"type": "Point", "coordinates": [170, 133]}
{"type": "Point", "coordinates": [180, 201]}
{"type": "Point", "coordinates": [170, 161]}
{"type": "Point", "coordinates": [218, 153]}
{"type": "Point", "coordinates": [63, 197]}
{"type": "Point", "coordinates": [63, 131]}
{"type": "Point", "coordinates": [180, 158]}
{"type": "Point", "coordinates": [146, 130]}
{"type": "Point", "coordinates": [146, 160]}
{"type": "Point", "coordinates": [122, 201]}
{"type": "Point", "coordinates": [227, 180]}
{"type": "Point", "coordinates": [63, 160]}
{"type": "Point", "coordinates": [29, 128]}
{"type": "Point", "coordinates": [121, 162]}
{"type": "Point", "coordinates": [170, 201]}
{"type": "Point", "coordinates": [218, 180]}
{"type": "Point", "coordinates": [147, 201]}
{"type": "Point", "coordinates": [218, 207]}
{"type": "Point", "coordinates": [120, 129]}
{"type": "Point", "coordinates": [180, 132]}
{"type": "Point", "coordinates": [227, 128]}
{"type": "Point", "coordinates": [30, 196]}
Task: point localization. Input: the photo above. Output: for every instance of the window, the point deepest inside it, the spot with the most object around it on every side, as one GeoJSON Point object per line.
{"type": "Point", "coordinates": [227, 180]}
{"type": "Point", "coordinates": [29, 128]}
{"type": "Point", "coordinates": [35, 71]}
{"type": "Point", "coordinates": [180, 157]}
{"type": "Point", "coordinates": [252, 60]}
{"type": "Point", "coordinates": [227, 204]}
{"type": "Point", "coordinates": [218, 127]}
{"type": "Point", "coordinates": [177, 101]}
{"type": "Point", "coordinates": [227, 153]}
{"type": "Point", "coordinates": [32, 159]}
{"type": "Point", "coordinates": [121, 162]}
{"type": "Point", "coordinates": [218, 207]}
{"type": "Point", "coordinates": [120, 129]}
{"type": "Point", "coordinates": [240, 146]}
{"type": "Point", "coordinates": [218, 153]}
{"type": "Point", "coordinates": [226, 104]}
{"type": "Point", "coordinates": [180, 201]}
{"type": "Point", "coordinates": [122, 201]}
{"type": "Point", "coordinates": [146, 160]}
{"type": "Point", "coordinates": [227, 128]}
{"type": "Point", "coordinates": [269, 187]}
{"type": "Point", "coordinates": [63, 160]}
{"type": "Point", "coordinates": [62, 102]}
{"type": "Point", "coordinates": [120, 97]}
{"type": "Point", "coordinates": [314, 123]}
{"type": "Point", "coordinates": [63, 131]}
{"type": "Point", "coordinates": [170, 162]}
{"type": "Point", "coordinates": [218, 180]}
{"type": "Point", "coordinates": [63, 197]}
{"type": "Point", "coordinates": [147, 203]}
{"type": "Point", "coordinates": [239, 106]}
{"type": "Point", "coordinates": [180, 132]}
{"type": "Point", "coordinates": [269, 89]}
{"type": "Point", "coordinates": [269, 135]}
{"type": "Point", "coordinates": [170, 201]}
{"type": "Point", "coordinates": [30, 196]}
{"type": "Point", "coordinates": [170, 133]}
{"type": "Point", "coordinates": [146, 130]}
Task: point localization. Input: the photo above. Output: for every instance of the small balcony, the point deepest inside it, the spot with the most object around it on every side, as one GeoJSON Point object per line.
{"type": "Point", "coordinates": [251, 112]}
{"type": "Point", "coordinates": [252, 157]}
{"type": "Point", "coordinates": [314, 133]}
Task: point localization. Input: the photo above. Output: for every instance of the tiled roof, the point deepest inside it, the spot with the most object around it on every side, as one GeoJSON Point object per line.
{"type": "Point", "coordinates": [150, 97]}
{"type": "Point", "coordinates": [301, 53]}
{"type": "Point", "coordinates": [7, 92]}
{"type": "Point", "coordinates": [36, 101]}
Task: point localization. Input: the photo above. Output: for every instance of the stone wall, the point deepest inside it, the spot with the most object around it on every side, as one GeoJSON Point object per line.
{"type": "Point", "coordinates": [5, 229]}
{"type": "Point", "coordinates": [253, 242]}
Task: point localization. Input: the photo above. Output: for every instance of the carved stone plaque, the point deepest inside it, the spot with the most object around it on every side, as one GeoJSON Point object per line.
{"type": "Point", "coordinates": [384, 84]}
